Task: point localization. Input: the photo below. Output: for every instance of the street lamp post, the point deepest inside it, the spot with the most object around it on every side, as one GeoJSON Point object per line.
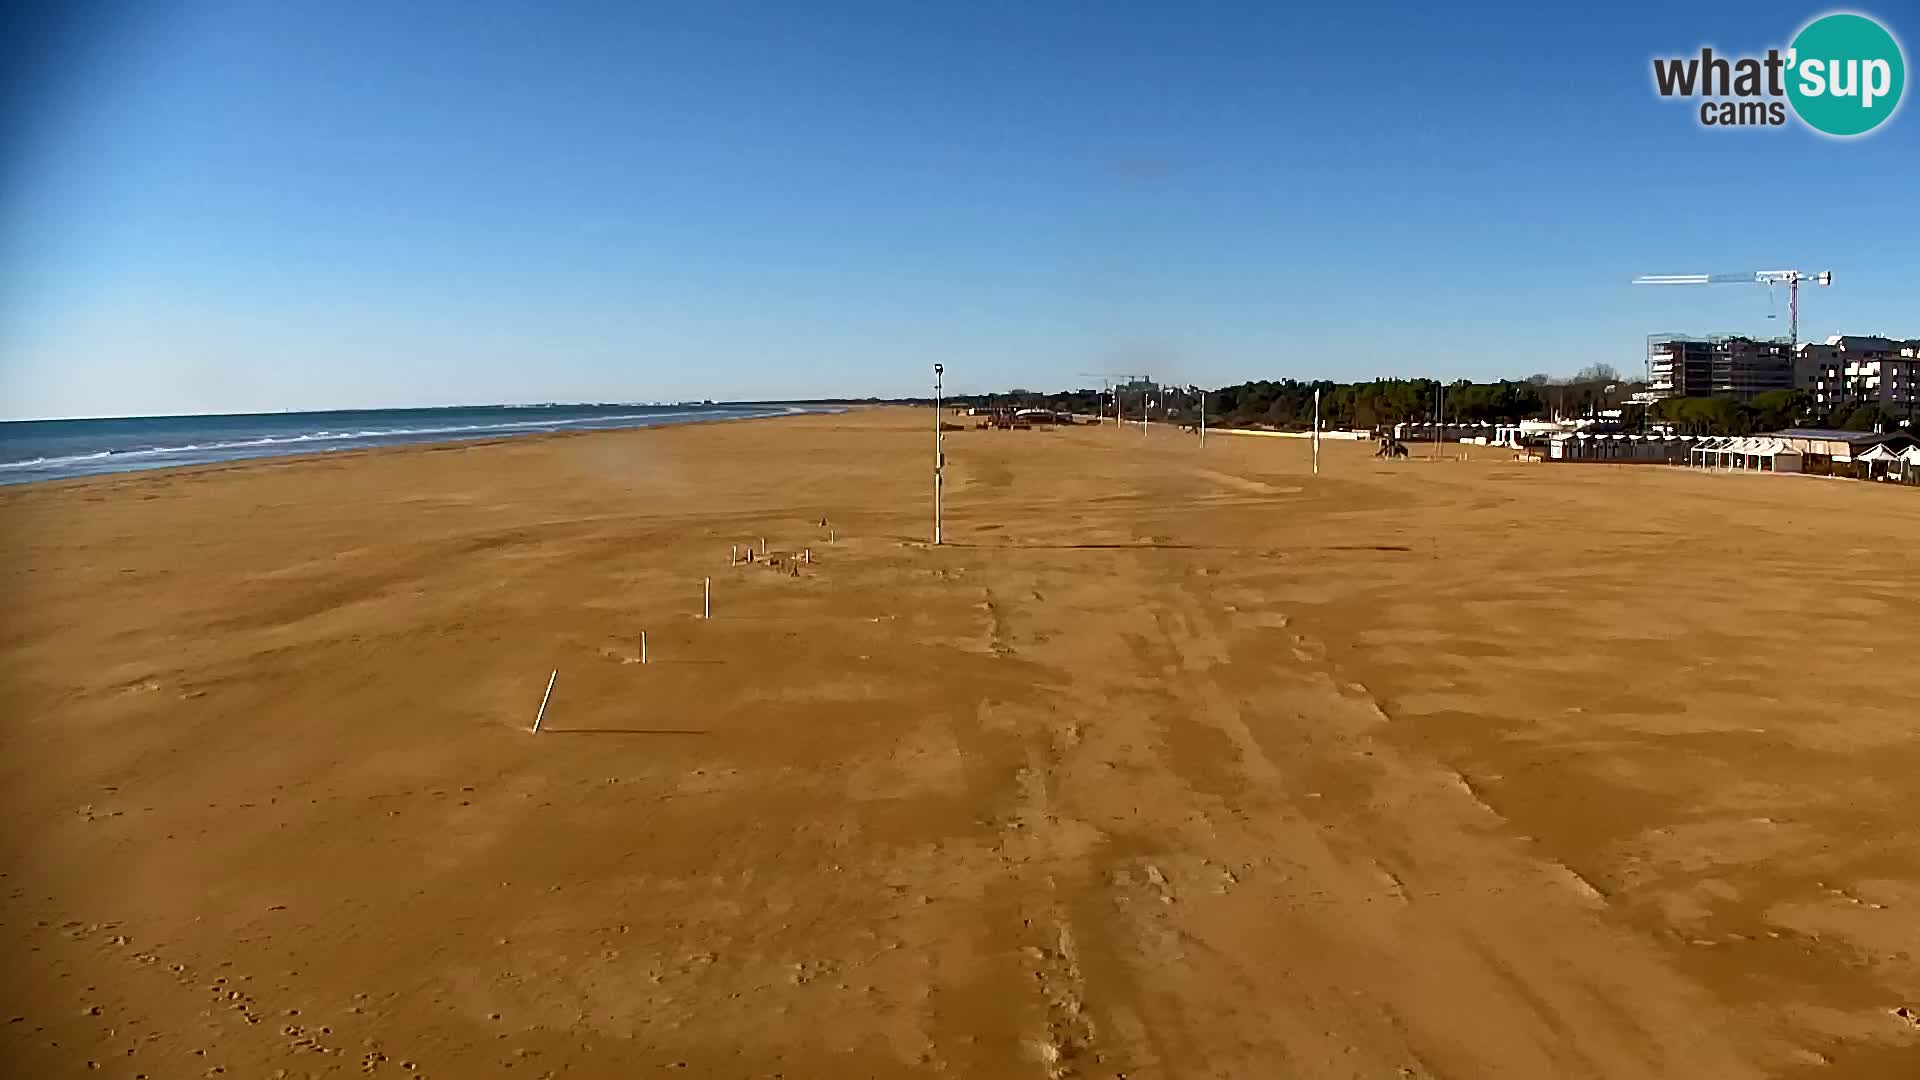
{"type": "Point", "coordinates": [939, 451]}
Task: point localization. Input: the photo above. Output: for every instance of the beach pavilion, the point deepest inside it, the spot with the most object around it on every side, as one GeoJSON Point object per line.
{"type": "Point", "coordinates": [1885, 464]}
{"type": "Point", "coordinates": [1615, 446]}
{"type": "Point", "coordinates": [1758, 453]}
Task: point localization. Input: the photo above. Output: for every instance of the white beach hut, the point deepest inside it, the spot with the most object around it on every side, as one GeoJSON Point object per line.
{"type": "Point", "coordinates": [1706, 452]}
{"type": "Point", "coordinates": [1881, 462]}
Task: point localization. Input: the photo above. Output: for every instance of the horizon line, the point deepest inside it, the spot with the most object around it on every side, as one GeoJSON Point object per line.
{"type": "Point", "coordinates": [715, 403]}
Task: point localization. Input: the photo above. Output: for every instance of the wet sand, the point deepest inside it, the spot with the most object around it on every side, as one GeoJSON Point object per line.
{"type": "Point", "coordinates": [1172, 763]}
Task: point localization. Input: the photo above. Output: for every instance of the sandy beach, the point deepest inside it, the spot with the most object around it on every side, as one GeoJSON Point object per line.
{"type": "Point", "coordinates": [1172, 762]}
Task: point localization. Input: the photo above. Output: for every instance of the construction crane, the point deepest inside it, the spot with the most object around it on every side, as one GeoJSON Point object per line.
{"type": "Point", "coordinates": [1790, 278]}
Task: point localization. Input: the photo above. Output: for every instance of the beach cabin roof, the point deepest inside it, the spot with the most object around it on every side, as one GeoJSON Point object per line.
{"type": "Point", "coordinates": [1748, 445]}
{"type": "Point", "coordinates": [1832, 435]}
{"type": "Point", "coordinates": [1856, 442]}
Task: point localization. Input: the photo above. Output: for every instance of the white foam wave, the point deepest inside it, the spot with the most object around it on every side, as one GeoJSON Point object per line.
{"type": "Point", "coordinates": [372, 434]}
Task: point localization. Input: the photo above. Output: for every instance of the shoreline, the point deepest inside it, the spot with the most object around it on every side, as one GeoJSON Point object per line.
{"type": "Point", "coordinates": [349, 452]}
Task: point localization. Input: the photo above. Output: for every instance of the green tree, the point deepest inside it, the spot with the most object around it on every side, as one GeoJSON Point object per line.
{"type": "Point", "coordinates": [1861, 418]}
{"type": "Point", "coordinates": [1778, 409]}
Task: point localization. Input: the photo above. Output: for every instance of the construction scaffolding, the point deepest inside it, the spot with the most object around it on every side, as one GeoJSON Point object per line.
{"type": "Point", "coordinates": [1717, 365]}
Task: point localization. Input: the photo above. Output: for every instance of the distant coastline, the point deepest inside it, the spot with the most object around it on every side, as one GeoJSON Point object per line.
{"type": "Point", "coordinates": [40, 450]}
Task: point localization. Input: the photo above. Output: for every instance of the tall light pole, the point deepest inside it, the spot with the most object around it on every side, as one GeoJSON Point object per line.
{"type": "Point", "coordinates": [939, 451]}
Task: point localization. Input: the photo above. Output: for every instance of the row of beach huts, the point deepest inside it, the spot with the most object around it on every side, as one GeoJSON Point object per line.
{"type": "Point", "coordinates": [1886, 456]}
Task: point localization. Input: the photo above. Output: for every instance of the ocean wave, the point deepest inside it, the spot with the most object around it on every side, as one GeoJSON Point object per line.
{"type": "Point", "coordinates": [30, 462]}
{"type": "Point", "coordinates": [373, 436]}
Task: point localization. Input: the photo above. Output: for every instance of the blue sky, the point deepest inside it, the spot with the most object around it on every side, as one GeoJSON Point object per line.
{"type": "Point", "coordinates": [231, 205]}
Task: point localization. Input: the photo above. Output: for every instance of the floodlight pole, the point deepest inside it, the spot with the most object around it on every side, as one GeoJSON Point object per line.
{"type": "Point", "coordinates": [939, 452]}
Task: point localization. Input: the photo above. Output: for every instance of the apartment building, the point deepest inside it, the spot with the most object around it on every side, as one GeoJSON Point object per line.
{"type": "Point", "coordinates": [1720, 366]}
{"type": "Point", "coordinates": [1854, 369]}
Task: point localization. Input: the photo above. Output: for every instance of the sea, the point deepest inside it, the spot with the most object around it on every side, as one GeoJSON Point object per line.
{"type": "Point", "coordinates": [34, 450]}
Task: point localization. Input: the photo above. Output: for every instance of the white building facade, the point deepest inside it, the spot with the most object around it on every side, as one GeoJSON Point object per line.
{"type": "Point", "coordinates": [1862, 370]}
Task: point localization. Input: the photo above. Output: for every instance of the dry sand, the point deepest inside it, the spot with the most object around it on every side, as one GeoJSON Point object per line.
{"type": "Point", "coordinates": [1173, 763]}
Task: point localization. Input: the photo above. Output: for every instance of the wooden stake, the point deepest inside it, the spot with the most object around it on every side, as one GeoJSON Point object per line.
{"type": "Point", "coordinates": [643, 646]}
{"type": "Point", "coordinates": [706, 609]}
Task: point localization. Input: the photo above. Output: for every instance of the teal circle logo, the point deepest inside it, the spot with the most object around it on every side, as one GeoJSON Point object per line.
{"type": "Point", "coordinates": [1845, 76]}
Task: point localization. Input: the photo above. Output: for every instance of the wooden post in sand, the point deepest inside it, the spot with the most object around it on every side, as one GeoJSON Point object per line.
{"type": "Point", "coordinates": [806, 556]}
{"type": "Point", "coordinates": [643, 646]}
{"type": "Point", "coordinates": [763, 547]}
{"type": "Point", "coordinates": [733, 554]}
{"type": "Point", "coordinates": [542, 714]}
{"type": "Point", "coordinates": [1316, 431]}
{"type": "Point", "coordinates": [706, 606]}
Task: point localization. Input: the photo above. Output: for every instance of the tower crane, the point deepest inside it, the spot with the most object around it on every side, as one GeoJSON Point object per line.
{"type": "Point", "coordinates": [1790, 278]}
